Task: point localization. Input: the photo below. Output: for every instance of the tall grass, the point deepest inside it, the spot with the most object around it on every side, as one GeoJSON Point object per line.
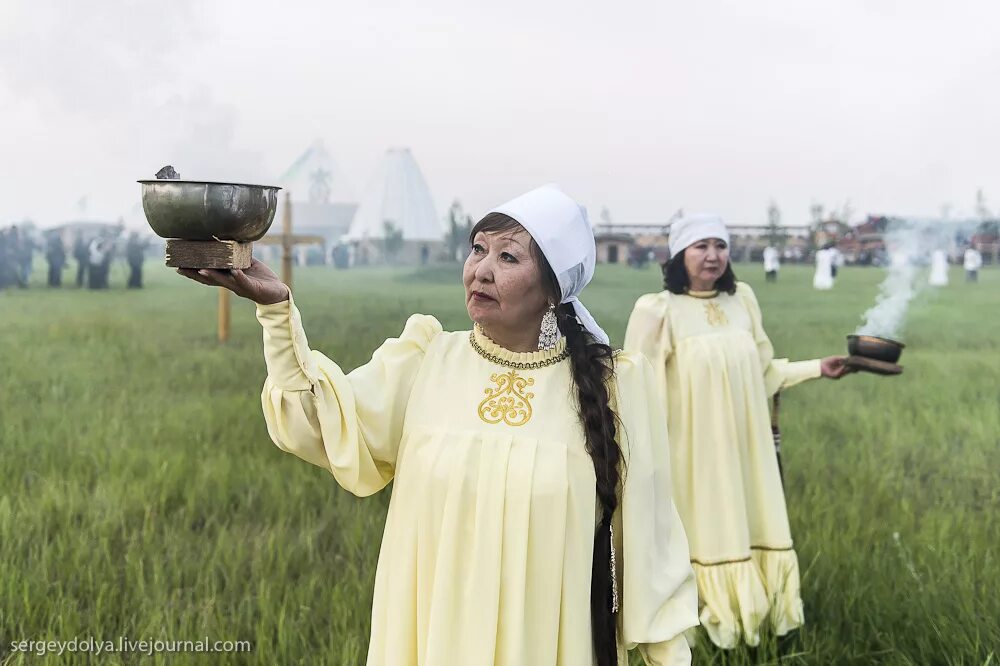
{"type": "Point", "coordinates": [140, 495]}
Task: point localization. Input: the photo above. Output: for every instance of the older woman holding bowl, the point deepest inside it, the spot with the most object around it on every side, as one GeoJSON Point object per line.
{"type": "Point", "coordinates": [531, 519]}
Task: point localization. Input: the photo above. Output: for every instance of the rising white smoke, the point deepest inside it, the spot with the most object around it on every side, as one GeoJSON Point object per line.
{"type": "Point", "coordinates": [885, 318]}
{"type": "Point", "coordinates": [909, 243]}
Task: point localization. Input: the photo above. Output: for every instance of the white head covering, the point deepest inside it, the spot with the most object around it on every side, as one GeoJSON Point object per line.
{"type": "Point", "coordinates": [563, 233]}
{"type": "Point", "coordinates": [692, 228]}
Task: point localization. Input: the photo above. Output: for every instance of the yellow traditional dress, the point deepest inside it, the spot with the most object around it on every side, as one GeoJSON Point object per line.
{"type": "Point", "coordinates": [716, 372]}
{"type": "Point", "coordinates": [487, 551]}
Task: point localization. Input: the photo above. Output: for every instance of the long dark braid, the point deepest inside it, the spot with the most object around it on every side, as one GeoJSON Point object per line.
{"type": "Point", "coordinates": [592, 367]}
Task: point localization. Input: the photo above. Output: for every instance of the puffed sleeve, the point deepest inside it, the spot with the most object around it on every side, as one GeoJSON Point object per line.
{"type": "Point", "coordinates": [648, 333]}
{"type": "Point", "coordinates": [779, 373]}
{"type": "Point", "coordinates": [349, 424]}
{"type": "Point", "coordinates": [659, 596]}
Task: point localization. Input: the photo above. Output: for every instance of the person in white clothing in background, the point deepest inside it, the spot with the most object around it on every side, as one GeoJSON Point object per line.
{"type": "Point", "coordinates": [771, 263]}
{"type": "Point", "coordinates": [836, 261]}
{"type": "Point", "coordinates": [973, 262]}
{"type": "Point", "coordinates": [939, 269]}
{"type": "Point", "coordinates": [823, 279]}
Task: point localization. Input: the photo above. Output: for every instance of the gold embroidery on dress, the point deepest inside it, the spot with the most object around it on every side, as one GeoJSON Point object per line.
{"type": "Point", "coordinates": [508, 402]}
{"type": "Point", "coordinates": [716, 315]}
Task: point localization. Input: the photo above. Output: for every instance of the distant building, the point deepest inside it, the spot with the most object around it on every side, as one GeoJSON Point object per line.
{"type": "Point", "coordinates": [323, 204]}
{"type": "Point", "coordinates": [865, 243]}
{"type": "Point", "coordinates": [747, 242]}
{"type": "Point", "coordinates": [829, 231]}
{"type": "Point", "coordinates": [639, 243]}
{"type": "Point", "coordinates": [397, 200]}
{"type": "Point", "coordinates": [987, 241]}
{"type": "Point", "coordinates": [613, 247]}
{"type": "Point", "coordinates": [632, 244]}
{"type": "Point", "coordinates": [87, 230]}
{"type": "Point", "coordinates": [353, 229]}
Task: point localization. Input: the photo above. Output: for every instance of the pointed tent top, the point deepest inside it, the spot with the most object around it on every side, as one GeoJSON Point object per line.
{"type": "Point", "coordinates": [315, 176]}
{"type": "Point", "coordinates": [399, 194]}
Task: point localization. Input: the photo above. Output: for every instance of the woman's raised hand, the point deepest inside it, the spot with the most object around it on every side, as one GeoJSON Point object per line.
{"type": "Point", "coordinates": [258, 283]}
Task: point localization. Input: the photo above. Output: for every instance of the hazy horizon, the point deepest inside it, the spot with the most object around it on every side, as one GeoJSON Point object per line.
{"type": "Point", "coordinates": [639, 108]}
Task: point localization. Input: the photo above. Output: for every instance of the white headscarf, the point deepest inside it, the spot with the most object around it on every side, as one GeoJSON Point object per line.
{"type": "Point", "coordinates": [563, 233]}
{"type": "Point", "coordinates": [693, 228]}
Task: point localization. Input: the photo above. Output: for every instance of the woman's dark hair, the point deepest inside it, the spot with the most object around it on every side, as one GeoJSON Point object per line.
{"type": "Point", "coordinates": [592, 366]}
{"type": "Point", "coordinates": [677, 281]}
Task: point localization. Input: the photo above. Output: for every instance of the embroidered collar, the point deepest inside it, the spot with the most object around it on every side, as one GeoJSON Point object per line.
{"type": "Point", "coordinates": [494, 353]}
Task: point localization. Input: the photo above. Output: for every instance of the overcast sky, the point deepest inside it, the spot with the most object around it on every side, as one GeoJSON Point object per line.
{"type": "Point", "coordinates": [642, 107]}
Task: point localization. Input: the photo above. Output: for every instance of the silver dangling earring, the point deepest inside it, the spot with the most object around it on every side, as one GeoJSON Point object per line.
{"type": "Point", "coordinates": [549, 333]}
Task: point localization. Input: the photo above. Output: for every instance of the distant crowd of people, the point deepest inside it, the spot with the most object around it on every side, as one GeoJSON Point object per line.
{"type": "Point", "coordinates": [92, 254]}
{"type": "Point", "coordinates": [829, 259]}
{"type": "Point", "coordinates": [16, 254]}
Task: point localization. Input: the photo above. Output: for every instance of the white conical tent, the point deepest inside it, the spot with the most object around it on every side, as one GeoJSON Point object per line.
{"type": "Point", "coordinates": [397, 194]}
{"type": "Point", "coordinates": [315, 177]}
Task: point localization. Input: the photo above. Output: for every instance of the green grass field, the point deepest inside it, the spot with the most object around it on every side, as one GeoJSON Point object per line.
{"type": "Point", "coordinates": [140, 495]}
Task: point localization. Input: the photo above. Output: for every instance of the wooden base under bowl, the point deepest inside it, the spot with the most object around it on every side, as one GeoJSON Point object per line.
{"type": "Point", "coordinates": [208, 254]}
{"type": "Point", "coordinates": [871, 365]}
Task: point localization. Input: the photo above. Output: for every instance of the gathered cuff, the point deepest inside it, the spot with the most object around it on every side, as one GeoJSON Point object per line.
{"type": "Point", "coordinates": [286, 349]}
{"type": "Point", "coordinates": [738, 597]}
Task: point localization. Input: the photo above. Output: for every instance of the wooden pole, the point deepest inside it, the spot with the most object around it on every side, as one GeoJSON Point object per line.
{"type": "Point", "coordinates": [286, 242]}
{"type": "Point", "coordinates": [776, 434]}
{"type": "Point", "coordinates": [224, 310]}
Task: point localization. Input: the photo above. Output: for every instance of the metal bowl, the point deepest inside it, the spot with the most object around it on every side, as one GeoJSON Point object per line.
{"type": "Point", "coordinates": [874, 347]}
{"type": "Point", "coordinates": [204, 210]}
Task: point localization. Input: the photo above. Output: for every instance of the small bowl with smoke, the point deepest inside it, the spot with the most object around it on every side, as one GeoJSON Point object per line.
{"type": "Point", "coordinates": [875, 348]}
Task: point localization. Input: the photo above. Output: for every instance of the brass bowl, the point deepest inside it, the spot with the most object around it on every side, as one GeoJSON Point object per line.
{"type": "Point", "coordinates": [205, 210]}
{"type": "Point", "coordinates": [874, 347]}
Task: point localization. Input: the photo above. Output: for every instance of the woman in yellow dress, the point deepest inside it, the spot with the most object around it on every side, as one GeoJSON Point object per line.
{"type": "Point", "coordinates": [715, 373]}
{"type": "Point", "coordinates": [531, 519]}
